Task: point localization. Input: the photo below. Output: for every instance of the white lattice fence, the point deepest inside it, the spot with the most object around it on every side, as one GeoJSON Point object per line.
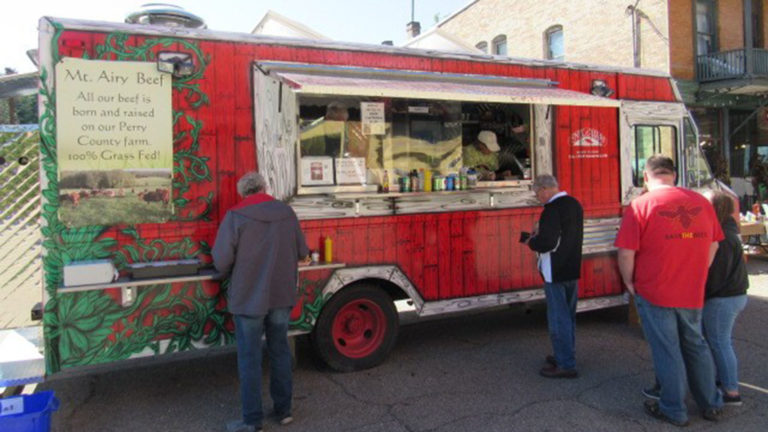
{"type": "Point", "coordinates": [20, 239]}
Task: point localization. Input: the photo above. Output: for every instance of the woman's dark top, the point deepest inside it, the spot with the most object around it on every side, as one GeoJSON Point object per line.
{"type": "Point", "coordinates": [728, 273]}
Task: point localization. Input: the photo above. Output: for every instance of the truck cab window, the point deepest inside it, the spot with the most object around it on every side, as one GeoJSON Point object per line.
{"type": "Point", "coordinates": [651, 140]}
{"type": "Point", "coordinates": [697, 168]}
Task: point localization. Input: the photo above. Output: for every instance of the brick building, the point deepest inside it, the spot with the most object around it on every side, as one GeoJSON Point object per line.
{"type": "Point", "coordinates": [715, 49]}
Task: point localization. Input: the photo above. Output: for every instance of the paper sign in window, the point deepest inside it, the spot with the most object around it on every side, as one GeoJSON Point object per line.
{"type": "Point", "coordinates": [316, 170]}
{"type": "Point", "coordinates": [372, 118]}
{"type": "Point", "coordinates": [350, 171]}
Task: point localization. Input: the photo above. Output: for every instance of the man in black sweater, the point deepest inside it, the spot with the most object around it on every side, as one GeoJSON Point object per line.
{"type": "Point", "coordinates": [557, 240]}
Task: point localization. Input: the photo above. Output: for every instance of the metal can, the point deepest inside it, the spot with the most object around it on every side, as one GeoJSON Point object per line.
{"type": "Point", "coordinates": [406, 184]}
{"type": "Point", "coordinates": [449, 182]}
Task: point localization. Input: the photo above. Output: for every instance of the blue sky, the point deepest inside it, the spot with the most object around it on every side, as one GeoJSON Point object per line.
{"type": "Point", "coordinates": [368, 21]}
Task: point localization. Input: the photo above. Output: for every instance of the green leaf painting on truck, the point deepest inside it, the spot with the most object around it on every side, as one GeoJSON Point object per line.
{"type": "Point", "coordinates": [311, 301]}
{"type": "Point", "coordinates": [92, 327]}
{"type": "Point", "coordinates": [189, 168]}
{"type": "Point", "coordinates": [116, 47]}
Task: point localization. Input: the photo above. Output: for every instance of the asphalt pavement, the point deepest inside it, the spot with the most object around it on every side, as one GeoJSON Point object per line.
{"type": "Point", "coordinates": [470, 373]}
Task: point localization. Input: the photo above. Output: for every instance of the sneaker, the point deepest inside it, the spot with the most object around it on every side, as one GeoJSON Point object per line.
{"type": "Point", "coordinates": [732, 400]}
{"type": "Point", "coordinates": [652, 392]}
{"type": "Point", "coordinates": [283, 419]}
{"type": "Point", "coordinates": [550, 360]}
{"type": "Point", "coordinates": [653, 410]}
{"type": "Point", "coordinates": [240, 426]}
{"type": "Point", "coordinates": [556, 372]}
{"type": "Point", "coordinates": [712, 414]}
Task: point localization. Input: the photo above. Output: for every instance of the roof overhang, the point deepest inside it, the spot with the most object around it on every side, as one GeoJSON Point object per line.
{"type": "Point", "coordinates": [738, 86]}
{"type": "Point", "coordinates": [18, 85]}
{"type": "Point", "coordinates": [369, 82]}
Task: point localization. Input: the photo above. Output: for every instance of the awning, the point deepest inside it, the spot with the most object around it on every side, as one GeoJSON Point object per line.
{"type": "Point", "coordinates": [434, 88]}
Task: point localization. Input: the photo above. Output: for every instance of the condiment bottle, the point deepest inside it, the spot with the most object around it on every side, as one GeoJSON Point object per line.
{"type": "Point", "coordinates": [427, 181]}
{"type": "Point", "coordinates": [385, 182]}
{"type": "Point", "coordinates": [415, 181]}
{"type": "Point", "coordinates": [328, 249]}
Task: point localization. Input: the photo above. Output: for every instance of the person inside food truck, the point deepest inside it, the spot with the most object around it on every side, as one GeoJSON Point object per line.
{"type": "Point", "coordinates": [483, 155]}
{"type": "Point", "coordinates": [510, 166]}
{"type": "Point", "coordinates": [323, 137]}
{"type": "Point", "coordinates": [333, 135]}
{"type": "Point", "coordinates": [514, 158]}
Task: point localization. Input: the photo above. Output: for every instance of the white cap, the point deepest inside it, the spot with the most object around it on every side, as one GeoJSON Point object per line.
{"type": "Point", "coordinates": [489, 139]}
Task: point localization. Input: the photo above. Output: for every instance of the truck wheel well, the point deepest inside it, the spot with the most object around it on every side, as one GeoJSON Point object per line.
{"type": "Point", "coordinates": [392, 290]}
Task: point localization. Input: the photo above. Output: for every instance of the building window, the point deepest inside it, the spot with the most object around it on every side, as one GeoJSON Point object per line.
{"type": "Point", "coordinates": [757, 23]}
{"type": "Point", "coordinates": [554, 43]}
{"type": "Point", "coordinates": [706, 40]}
{"type": "Point", "coordinates": [500, 45]}
{"type": "Point", "coordinates": [482, 46]}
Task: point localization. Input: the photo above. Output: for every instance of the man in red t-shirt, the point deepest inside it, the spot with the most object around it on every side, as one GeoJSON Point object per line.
{"type": "Point", "coordinates": [667, 240]}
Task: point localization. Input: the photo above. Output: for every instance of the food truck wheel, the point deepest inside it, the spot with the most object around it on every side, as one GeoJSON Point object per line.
{"type": "Point", "coordinates": [356, 329]}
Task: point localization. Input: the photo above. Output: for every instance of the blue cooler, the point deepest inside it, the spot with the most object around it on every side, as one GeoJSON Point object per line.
{"type": "Point", "coordinates": [28, 413]}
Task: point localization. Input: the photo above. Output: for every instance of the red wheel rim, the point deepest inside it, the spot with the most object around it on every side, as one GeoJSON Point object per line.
{"type": "Point", "coordinates": [359, 328]}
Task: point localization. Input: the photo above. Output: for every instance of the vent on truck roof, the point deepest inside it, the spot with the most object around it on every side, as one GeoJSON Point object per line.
{"type": "Point", "coordinates": [165, 14]}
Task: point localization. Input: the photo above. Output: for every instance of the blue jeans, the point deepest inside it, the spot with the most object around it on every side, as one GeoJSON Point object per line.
{"type": "Point", "coordinates": [719, 316]}
{"type": "Point", "coordinates": [249, 331]}
{"type": "Point", "coordinates": [561, 320]}
{"type": "Point", "coordinates": [679, 351]}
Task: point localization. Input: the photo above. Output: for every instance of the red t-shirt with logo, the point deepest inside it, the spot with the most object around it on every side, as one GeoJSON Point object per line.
{"type": "Point", "coordinates": [671, 230]}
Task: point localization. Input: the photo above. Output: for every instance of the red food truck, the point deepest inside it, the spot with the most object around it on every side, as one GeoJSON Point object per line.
{"type": "Point", "coordinates": [145, 130]}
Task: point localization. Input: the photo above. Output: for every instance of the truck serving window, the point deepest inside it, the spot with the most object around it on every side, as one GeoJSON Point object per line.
{"type": "Point", "coordinates": [353, 143]}
{"type": "Point", "coordinates": [651, 140]}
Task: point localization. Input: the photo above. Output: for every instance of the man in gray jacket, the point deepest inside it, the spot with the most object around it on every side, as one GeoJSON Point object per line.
{"type": "Point", "coordinates": [259, 244]}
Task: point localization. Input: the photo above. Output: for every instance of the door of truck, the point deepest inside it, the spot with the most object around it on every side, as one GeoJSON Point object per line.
{"type": "Point", "coordinates": [648, 128]}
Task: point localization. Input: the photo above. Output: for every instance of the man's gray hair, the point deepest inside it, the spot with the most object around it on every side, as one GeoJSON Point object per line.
{"type": "Point", "coordinates": [251, 183]}
{"type": "Point", "coordinates": [544, 181]}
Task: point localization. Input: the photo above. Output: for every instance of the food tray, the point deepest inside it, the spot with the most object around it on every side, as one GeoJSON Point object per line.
{"type": "Point", "coordinates": [163, 269]}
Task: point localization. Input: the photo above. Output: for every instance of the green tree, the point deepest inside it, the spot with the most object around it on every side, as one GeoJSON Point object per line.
{"type": "Point", "coordinates": [25, 107]}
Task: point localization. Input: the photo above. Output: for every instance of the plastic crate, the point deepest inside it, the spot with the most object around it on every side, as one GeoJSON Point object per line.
{"type": "Point", "coordinates": [28, 413]}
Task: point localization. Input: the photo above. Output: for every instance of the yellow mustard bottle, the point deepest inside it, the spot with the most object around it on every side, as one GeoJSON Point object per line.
{"type": "Point", "coordinates": [428, 181]}
{"type": "Point", "coordinates": [328, 249]}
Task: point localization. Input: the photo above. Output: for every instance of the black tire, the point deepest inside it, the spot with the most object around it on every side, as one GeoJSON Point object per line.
{"type": "Point", "coordinates": [366, 329]}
